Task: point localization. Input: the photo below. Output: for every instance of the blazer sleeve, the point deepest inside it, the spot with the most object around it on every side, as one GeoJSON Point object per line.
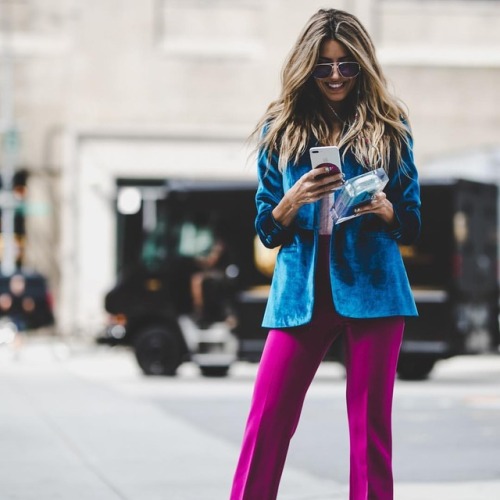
{"type": "Point", "coordinates": [403, 191]}
{"type": "Point", "coordinates": [269, 193]}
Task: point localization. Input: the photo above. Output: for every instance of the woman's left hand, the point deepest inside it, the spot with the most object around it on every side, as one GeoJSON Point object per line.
{"type": "Point", "coordinates": [380, 206]}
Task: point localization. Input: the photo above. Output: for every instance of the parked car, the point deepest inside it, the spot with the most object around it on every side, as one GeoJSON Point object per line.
{"type": "Point", "coordinates": [25, 301]}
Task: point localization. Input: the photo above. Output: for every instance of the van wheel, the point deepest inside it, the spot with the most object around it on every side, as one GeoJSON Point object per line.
{"type": "Point", "coordinates": [158, 351]}
{"type": "Point", "coordinates": [415, 366]}
{"type": "Point", "coordinates": [214, 371]}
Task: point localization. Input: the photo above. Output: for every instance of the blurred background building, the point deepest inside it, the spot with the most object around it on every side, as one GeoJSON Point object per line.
{"type": "Point", "coordinates": [112, 89]}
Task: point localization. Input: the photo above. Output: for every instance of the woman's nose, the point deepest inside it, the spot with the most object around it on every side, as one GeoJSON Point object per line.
{"type": "Point", "coordinates": [335, 71]}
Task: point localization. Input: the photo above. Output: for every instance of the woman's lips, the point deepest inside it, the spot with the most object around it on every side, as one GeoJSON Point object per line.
{"type": "Point", "coordinates": [335, 86]}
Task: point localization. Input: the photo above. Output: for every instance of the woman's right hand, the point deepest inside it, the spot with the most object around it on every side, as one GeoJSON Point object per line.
{"type": "Point", "coordinates": [311, 187]}
{"type": "Point", "coordinates": [314, 185]}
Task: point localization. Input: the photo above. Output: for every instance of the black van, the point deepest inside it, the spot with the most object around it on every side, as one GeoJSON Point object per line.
{"type": "Point", "coordinates": [162, 249]}
{"type": "Point", "coordinates": [453, 270]}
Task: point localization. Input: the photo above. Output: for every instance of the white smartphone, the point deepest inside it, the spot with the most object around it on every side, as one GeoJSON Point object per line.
{"type": "Point", "coordinates": [326, 156]}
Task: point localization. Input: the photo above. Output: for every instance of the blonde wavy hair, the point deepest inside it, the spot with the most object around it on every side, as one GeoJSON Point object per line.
{"type": "Point", "coordinates": [376, 125]}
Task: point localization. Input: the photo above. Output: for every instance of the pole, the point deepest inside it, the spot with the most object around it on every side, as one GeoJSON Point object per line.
{"type": "Point", "coordinates": [9, 147]}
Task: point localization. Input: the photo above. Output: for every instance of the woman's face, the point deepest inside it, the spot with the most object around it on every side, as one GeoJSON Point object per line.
{"type": "Point", "coordinates": [335, 88]}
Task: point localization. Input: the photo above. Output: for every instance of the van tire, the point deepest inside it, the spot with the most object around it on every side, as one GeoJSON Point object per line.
{"type": "Point", "coordinates": [158, 351]}
{"type": "Point", "coordinates": [214, 371]}
{"type": "Point", "coordinates": [415, 366]}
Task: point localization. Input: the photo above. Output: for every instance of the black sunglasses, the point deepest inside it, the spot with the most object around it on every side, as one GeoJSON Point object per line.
{"type": "Point", "coordinates": [346, 69]}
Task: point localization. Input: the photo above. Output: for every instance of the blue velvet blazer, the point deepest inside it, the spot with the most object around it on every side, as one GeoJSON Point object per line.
{"type": "Point", "coordinates": [367, 273]}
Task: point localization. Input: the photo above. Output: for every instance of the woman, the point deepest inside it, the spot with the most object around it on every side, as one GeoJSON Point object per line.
{"type": "Point", "coordinates": [344, 281]}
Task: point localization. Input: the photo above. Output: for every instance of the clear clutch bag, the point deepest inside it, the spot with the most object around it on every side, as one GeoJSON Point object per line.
{"type": "Point", "coordinates": [355, 192]}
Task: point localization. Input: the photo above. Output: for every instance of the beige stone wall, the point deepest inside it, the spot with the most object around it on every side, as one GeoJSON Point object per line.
{"type": "Point", "coordinates": [216, 63]}
{"type": "Point", "coordinates": [443, 57]}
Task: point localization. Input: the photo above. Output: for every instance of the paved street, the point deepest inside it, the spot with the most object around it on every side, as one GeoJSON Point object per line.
{"type": "Point", "coordinates": [80, 422]}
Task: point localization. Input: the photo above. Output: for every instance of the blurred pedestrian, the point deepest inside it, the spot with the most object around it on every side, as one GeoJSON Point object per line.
{"type": "Point", "coordinates": [210, 267]}
{"type": "Point", "coordinates": [17, 306]}
{"type": "Point", "coordinates": [344, 281]}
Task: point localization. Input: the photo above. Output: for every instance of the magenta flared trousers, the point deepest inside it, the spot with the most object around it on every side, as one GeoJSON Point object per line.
{"type": "Point", "coordinates": [289, 362]}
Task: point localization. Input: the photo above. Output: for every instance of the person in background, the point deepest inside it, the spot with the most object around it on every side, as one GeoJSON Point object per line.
{"type": "Point", "coordinates": [210, 266]}
{"type": "Point", "coordinates": [18, 306]}
{"type": "Point", "coordinates": [331, 281]}
{"type": "Point", "coordinates": [211, 281]}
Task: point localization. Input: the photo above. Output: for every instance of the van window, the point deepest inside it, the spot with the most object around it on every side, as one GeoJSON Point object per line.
{"type": "Point", "coordinates": [195, 240]}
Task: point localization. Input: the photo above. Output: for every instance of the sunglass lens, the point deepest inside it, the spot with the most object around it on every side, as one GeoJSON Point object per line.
{"type": "Point", "coordinates": [349, 69]}
{"type": "Point", "coordinates": [322, 71]}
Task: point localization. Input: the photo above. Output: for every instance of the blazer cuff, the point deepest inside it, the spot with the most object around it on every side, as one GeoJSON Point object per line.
{"type": "Point", "coordinates": [272, 230]}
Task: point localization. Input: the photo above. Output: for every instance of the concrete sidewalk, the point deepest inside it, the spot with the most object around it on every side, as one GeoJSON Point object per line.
{"type": "Point", "coordinates": [63, 436]}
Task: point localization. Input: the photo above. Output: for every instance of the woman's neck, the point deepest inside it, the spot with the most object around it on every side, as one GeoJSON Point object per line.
{"type": "Point", "coordinates": [338, 122]}
{"type": "Point", "coordinates": [337, 112]}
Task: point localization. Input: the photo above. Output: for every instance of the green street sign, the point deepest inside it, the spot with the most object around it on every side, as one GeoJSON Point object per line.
{"type": "Point", "coordinates": [11, 140]}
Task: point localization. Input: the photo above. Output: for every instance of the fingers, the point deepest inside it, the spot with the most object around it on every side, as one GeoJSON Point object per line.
{"type": "Point", "coordinates": [334, 186]}
{"type": "Point", "coordinates": [317, 184]}
{"type": "Point", "coordinates": [380, 201]}
{"type": "Point", "coordinates": [324, 173]}
{"type": "Point", "coordinates": [329, 183]}
{"type": "Point", "coordinates": [378, 204]}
